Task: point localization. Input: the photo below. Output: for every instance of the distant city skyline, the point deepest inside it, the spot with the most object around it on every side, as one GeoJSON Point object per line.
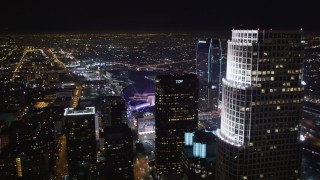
{"type": "Point", "coordinates": [42, 74]}
{"type": "Point", "coordinates": [57, 16]}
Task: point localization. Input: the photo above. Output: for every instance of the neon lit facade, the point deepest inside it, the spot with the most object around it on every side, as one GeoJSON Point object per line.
{"type": "Point", "coordinates": [262, 99]}
{"type": "Point", "coordinates": [199, 154]}
{"type": "Point", "coordinates": [146, 124]}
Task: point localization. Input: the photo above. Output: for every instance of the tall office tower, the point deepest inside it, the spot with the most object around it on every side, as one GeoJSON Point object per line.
{"type": "Point", "coordinates": [176, 113]}
{"type": "Point", "coordinates": [208, 68]}
{"type": "Point", "coordinates": [262, 101]}
{"type": "Point", "coordinates": [118, 152]}
{"type": "Point", "coordinates": [113, 110]}
{"type": "Point", "coordinates": [82, 135]}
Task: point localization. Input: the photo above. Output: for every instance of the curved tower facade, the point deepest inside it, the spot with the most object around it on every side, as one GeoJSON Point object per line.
{"type": "Point", "coordinates": [208, 71]}
{"type": "Point", "coordinates": [262, 101]}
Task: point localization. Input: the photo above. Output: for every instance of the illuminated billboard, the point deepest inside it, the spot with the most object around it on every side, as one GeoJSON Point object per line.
{"type": "Point", "coordinates": [146, 124]}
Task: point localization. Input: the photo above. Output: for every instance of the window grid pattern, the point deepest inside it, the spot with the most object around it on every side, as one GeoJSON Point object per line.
{"type": "Point", "coordinates": [267, 106]}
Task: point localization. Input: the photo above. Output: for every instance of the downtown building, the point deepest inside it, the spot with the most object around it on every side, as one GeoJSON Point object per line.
{"type": "Point", "coordinates": [199, 154]}
{"type": "Point", "coordinates": [113, 110]}
{"type": "Point", "coordinates": [208, 67]}
{"type": "Point", "coordinates": [176, 113]}
{"type": "Point", "coordinates": [82, 135]}
{"type": "Point", "coordinates": [262, 101]}
{"type": "Point", "coordinates": [118, 152]}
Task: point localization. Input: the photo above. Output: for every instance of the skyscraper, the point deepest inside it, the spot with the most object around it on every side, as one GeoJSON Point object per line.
{"type": "Point", "coordinates": [176, 113]}
{"type": "Point", "coordinates": [208, 71]}
{"type": "Point", "coordinates": [113, 110]}
{"type": "Point", "coordinates": [262, 100]}
{"type": "Point", "coordinates": [118, 152]}
{"type": "Point", "coordinates": [82, 135]}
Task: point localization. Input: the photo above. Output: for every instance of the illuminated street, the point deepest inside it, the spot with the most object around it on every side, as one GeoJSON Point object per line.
{"type": "Point", "coordinates": [46, 73]}
{"type": "Point", "coordinates": [76, 96]}
{"type": "Point", "coordinates": [61, 168]}
{"type": "Point", "coordinates": [141, 168]}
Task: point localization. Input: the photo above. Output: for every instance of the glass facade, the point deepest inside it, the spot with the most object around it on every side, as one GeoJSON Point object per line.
{"type": "Point", "coordinates": [208, 62]}
{"type": "Point", "coordinates": [262, 100]}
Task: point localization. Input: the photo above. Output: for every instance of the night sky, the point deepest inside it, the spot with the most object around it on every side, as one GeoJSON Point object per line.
{"type": "Point", "coordinates": [136, 15]}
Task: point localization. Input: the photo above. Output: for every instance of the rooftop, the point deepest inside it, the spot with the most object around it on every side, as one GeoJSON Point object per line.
{"type": "Point", "coordinates": [75, 112]}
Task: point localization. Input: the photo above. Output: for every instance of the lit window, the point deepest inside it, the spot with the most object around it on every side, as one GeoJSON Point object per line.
{"type": "Point", "coordinates": [268, 131]}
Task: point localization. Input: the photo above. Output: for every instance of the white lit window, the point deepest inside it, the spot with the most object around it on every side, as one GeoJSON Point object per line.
{"type": "Point", "coordinates": [268, 131]}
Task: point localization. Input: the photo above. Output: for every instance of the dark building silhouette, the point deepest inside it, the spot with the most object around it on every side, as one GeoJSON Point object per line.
{"type": "Point", "coordinates": [26, 153]}
{"type": "Point", "coordinates": [81, 133]}
{"type": "Point", "coordinates": [262, 101]}
{"type": "Point", "coordinates": [113, 110]}
{"type": "Point", "coordinates": [118, 152]}
{"type": "Point", "coordinates": [176, 113]}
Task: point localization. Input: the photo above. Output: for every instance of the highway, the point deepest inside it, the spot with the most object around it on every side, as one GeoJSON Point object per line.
{"type": "Point", "coordinates": [56, 60]}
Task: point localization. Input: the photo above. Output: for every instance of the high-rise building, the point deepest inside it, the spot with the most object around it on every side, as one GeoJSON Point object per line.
{"type": "Point", "coordinates": [176, 113]}
{"type": "Point", "coordinates": [208, 71]}
{"type": "Point", "coordinates": [118, 152]}
{"type": "Point", "coordinates": [82, 135]}
{"type": "Point", "coordinates": [199, 154]}
{"type": "Point", "coordinates": [113, 110]}
{"type": "Point", "coordinates": [262, 101]}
